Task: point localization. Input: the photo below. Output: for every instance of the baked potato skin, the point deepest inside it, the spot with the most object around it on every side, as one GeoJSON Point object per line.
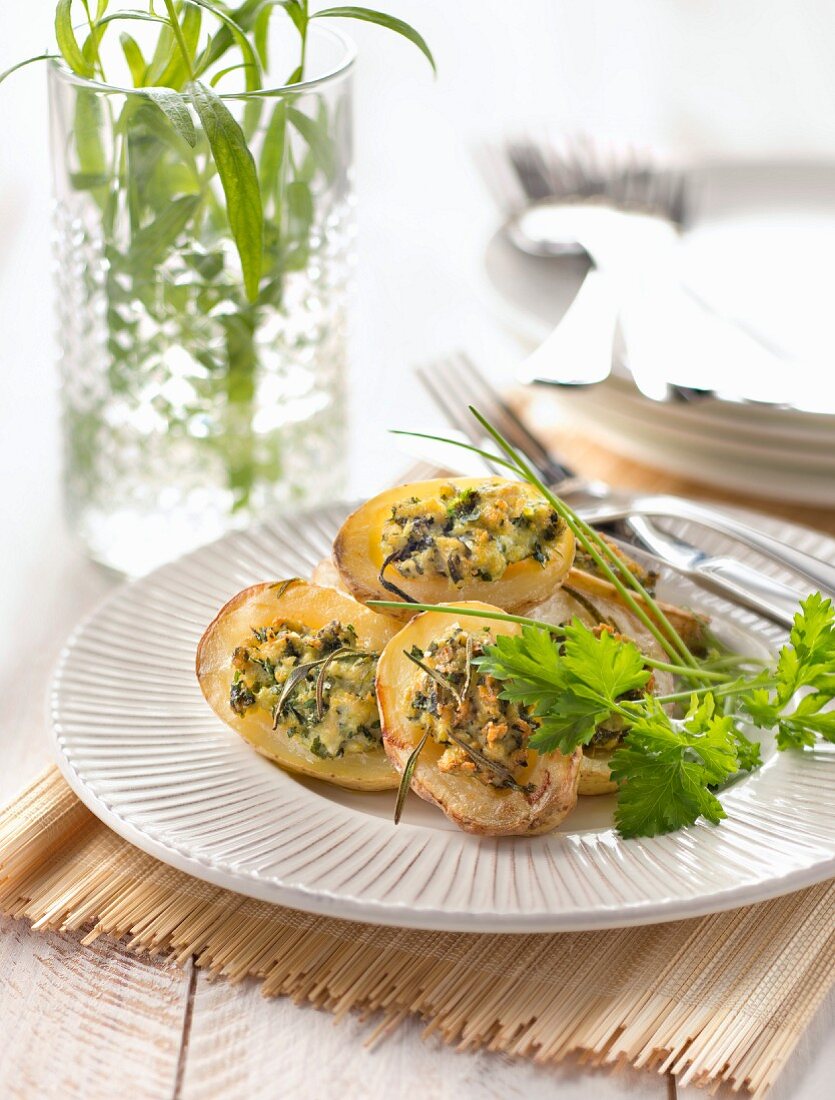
{"type": "Point", "coordinates": [595, 776]}
{"type": "Point", "coordinates": [313, 606]}
{"type": "Point", "coordinates": [469, 803]}
{"type": "Point", "coordinates": [358, 556]}
{"type": "Point", "coordinates": [691, 627]}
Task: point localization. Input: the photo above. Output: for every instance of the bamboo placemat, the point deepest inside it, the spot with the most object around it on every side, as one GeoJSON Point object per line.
{"type": "Point", "coordinates": [718, 999]}
{"type": "Point", "coordinates": [721, 999]}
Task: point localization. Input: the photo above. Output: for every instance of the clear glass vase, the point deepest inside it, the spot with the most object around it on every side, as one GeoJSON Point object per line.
{"type": "Point", "coordinates": [188, 408]}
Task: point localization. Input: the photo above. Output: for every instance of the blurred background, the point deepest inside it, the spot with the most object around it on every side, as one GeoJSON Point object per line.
{"type": "Point", "coordinates": [749, 82]}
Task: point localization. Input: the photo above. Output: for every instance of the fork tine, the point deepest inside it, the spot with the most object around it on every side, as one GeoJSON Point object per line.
{"type": "Point", "coordinates": [455, 383]}
{"type": "Point", "coordinates": [580, 168]}
{"type": "Point", "coordinates": [440, 379]}
{"type": "Point", "coordinates": [510, 424]}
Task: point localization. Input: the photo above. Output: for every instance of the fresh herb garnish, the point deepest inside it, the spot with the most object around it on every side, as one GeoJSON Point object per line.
{"type": "Point", "coordinates": [574, 679]}
{"type": "Point", "coordinates": [571, 690]}
{"type": "Point", "coordinates": [668, 768]}
{"type": "Point", "coordinates": [806, 664]}
{"type": "Point", "coordinates": [406, 777]}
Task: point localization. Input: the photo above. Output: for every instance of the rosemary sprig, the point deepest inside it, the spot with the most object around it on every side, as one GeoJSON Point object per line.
{"type": "Point", "coordinates": [433, 674]}
{"type": "Point", "coordinates": [468, 658]}
{"type": "Point", "coordinates": [406, 777]}
{"type": "Point", "coordinates": [282, 586]}
{"type": "Point", "coordinates": [477, 757]}
{"type": "Point", "coordinates": [300, 672]}
{"type": "Point", "coordinates": [359, 654]}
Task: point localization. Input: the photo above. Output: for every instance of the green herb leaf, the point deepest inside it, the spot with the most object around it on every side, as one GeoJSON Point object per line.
{"type": "Point", "coordinates": [87, 131]}
{"type": "Point", "coordinates": [603, 666]}
{"type": "Point", "coordinates": [173, 106]}
{"type": "Point", "coordinates": [133, 56]}
{"type": "Point", "coordinates": [180, 67]}
{"type": "Point", "coordinates": [406, 777]}
{"type": "Point", "coordinates": [221, 73]}
{"type": "Point", "coordinates": [297, 13]}
{"type": "Point", "coordinates": [217, 45]}
{"type": "Point", "coordinates": [21, 64]}
{"type": "Point", "coordinates": [391, 22]}
{"type": "Point", "coordinates": [239, 179]}
{"type": "Point", "coordinates": [133, 16]}
{"type": "Point", "coordinates": [150, 243]}
{"type": "Point", "coordinates": [272, 155]}
{"type": "Point", "coordinates": [67, 42]}
{"type": "Point", "coordinates": [318, 138]}
{"type": "Point", "coordinates": [571, 689]}
{"type": "Point", "coordinates": [667, 769]}
{"type": "Point", "coordinates": [253, 71]}
{"type": "Point", "coordinates": [260, 34]}
{"type": "Point", "coordinates": [806, 663]}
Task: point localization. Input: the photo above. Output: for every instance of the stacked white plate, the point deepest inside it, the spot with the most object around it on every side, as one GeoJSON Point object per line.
{"type": "Point", "coordinates": [758, 250]}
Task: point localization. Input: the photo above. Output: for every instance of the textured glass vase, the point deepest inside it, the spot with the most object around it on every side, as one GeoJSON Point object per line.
{"type": "Point", "coordinates": [187, 408]}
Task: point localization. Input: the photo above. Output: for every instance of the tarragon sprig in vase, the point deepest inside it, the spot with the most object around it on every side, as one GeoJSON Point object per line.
{"type": "Point", "coordinates": [161, 155]}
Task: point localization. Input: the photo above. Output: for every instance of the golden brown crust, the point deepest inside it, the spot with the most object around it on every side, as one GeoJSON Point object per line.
{"type": "Point", "coordinates": [358, 556]}
{"type": "Point", "coordinates": [313, 606]}
{"type": "Point", "coordinates": [466, 800]}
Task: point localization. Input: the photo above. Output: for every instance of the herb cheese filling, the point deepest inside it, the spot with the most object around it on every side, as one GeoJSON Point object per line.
{"type": "Point", "coordinates": [469, 534]}
{"type": "Point", "coordinates": [318, 686]}
{"type": "Point", "coordinates": [482, 735]}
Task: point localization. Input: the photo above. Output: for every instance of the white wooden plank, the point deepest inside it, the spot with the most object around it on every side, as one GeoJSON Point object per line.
{"type": "Point", "coordinates": [85, 1023]}
{"type": "Point", "coordinates": [243, 1047]}
{"type": "Point", "coordinates": [92, 1023]}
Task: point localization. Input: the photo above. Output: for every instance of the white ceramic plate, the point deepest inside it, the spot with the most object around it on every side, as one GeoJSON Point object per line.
{"type": "Point", "coordinates": [142, 749]}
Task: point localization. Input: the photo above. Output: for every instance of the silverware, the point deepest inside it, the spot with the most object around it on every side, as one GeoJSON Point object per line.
{"type": "Point", "coordinates": [579, 200]}
{"type": "Point", "coordinates": [626, 213]}
{"type": "Point", "coordinates": [819, 573]}
{"type": "Point", "coordinates": [455, 383]}
{"type": "Point", "coordinates": [537, 184]}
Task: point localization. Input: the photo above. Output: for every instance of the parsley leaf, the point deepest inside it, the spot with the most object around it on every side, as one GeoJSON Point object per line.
{"type": "Point", "coordinates": [603, 666]}
{"type": "Point", "coordinates": [667, 768]}
{"type": "Point", "coordinates": [572, 686]}
{"type": "Point", "coordinates": [807, 663]}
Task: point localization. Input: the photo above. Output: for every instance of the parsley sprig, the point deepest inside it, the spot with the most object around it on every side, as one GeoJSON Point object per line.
{"type": "Point", "coordinates": [575, 679]}
{"type": "Point", "coordinates": [805, 667]}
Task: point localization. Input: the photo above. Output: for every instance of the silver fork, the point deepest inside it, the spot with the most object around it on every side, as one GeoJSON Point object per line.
{"type": "Point", "coordinates": [455, 383]}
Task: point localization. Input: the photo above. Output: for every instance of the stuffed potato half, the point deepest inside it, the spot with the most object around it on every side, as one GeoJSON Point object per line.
{"type": "Point", "coordinates": [521, 792]}
{"type": "Point", "coordinates": [460, 538]}
{"type": "Point", "coordinates": [327, 726]}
